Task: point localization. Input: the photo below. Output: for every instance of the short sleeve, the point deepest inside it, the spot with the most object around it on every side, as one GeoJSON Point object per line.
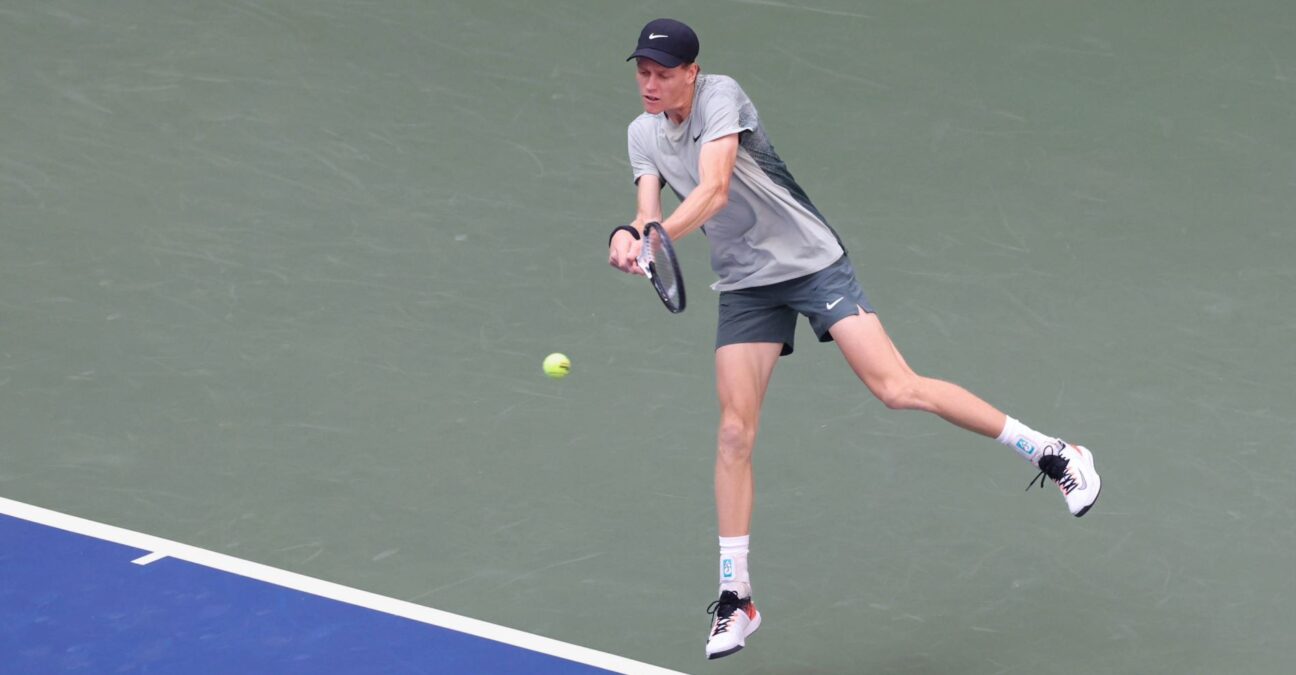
{"type": "Point", "coordinates": [726, 110]}
{"type": "Point", "coordinates": [639, 141]}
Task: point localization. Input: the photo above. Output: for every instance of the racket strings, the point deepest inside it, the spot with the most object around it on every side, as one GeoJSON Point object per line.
{"type": "Point", "coordinates": [664, 273]}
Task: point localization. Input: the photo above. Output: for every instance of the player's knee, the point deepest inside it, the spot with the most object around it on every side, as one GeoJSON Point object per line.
{"type": "Point", "coordinates": [736, 438]}
{"type": "Point", "coordinates": [899, 393]}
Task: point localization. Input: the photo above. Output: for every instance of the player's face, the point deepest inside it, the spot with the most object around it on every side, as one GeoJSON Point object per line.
{"type": "Point", "coordinates": [663, 89]}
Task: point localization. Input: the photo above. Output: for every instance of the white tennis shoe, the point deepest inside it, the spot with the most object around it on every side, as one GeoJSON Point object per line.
{"type": "Point", "coordinates": [733, 619]}
{"type": "Point", "coordinates": [1072, 469]}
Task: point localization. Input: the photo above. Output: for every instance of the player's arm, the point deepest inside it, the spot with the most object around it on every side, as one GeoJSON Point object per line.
{"type": "Point", "coordinates": [715, 169]}
{"type": "Point", "coordinates": [623, 248]}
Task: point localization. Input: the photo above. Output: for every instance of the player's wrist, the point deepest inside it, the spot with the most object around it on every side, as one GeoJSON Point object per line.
{"type": "Point", "coordinates": [633, 232]}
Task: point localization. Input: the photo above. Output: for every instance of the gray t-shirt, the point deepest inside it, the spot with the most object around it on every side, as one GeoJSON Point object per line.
{"type": "Point", "coordinates": [769, 231]}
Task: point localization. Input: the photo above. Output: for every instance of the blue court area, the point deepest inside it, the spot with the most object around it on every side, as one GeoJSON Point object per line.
{"type": "Point", "coordinates": [75, 603]}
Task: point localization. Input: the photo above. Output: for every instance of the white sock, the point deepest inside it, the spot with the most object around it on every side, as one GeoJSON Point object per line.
{"type": "Point", "coordinates": [1024, 440]}
{"type": "Point", "coordinates": [733, 565]}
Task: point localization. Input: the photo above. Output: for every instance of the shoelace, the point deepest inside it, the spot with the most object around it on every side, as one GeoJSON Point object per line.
{"type": "Point", "coordinates": [1054, 467]}
{"type": "Point", "coordinates": [723, 611]}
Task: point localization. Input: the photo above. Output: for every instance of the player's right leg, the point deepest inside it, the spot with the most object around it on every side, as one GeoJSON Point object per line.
{"type": "Point", "coordinates": [742, 376]}
{"type": "Point", "coordinates": [743, 372]}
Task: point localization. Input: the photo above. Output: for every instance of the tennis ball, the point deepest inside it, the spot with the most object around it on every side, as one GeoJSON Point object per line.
{"type": "Point", "coordinates": [557, 365]}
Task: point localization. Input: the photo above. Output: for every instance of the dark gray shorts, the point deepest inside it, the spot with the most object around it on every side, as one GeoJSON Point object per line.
{"type": "Point", "coordinates": [769, 313]}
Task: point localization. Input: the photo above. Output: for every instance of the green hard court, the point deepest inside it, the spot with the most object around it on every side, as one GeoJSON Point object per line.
{"type": "Point", "coordinates": [276, 279]}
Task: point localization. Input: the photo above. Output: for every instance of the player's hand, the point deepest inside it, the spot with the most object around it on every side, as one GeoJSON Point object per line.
{"type": "Point", "coordinates": [623, 253]}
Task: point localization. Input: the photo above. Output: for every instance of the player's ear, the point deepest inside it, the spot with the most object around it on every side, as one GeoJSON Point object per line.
{"type": "Point", "coordinates": [691, 72]}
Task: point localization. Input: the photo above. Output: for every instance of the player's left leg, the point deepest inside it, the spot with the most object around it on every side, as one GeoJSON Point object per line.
{"type": "Point", "coordinates": [878, 363]}
{"type": "Point", "coordinates": [874, 358]}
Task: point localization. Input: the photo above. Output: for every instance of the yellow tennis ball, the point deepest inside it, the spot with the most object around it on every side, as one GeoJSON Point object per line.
{"type": "Point", "coordinates": [557, 365]}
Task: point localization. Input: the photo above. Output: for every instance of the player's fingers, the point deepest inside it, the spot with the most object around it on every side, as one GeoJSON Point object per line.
{"type": "Point", "coordinates": [619, 257]}
{"type": "Point", "coordinates": [635, 250]}
{"type": "Point", "coordinates": [623, 260]}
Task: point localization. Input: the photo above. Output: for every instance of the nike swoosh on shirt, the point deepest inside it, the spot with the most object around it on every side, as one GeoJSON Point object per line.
{"type": "Point", "coordinates": [697, 137]}
{"type": "Point", "coordinates": [834, 302]}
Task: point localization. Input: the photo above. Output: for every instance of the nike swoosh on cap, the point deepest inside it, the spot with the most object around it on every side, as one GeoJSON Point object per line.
{"type": "Point", "coordinates": [654, 36]}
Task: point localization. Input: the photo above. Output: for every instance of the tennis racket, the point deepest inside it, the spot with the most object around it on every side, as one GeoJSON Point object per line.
{"type": "Point", "coordinates": [658, 262]}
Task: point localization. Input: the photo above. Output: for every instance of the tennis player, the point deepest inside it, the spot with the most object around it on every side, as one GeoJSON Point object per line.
{"type": "Point", "coordinates": [776, 257]}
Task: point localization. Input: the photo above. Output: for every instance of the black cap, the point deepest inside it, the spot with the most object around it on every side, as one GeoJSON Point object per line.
{"type": "Point", "coordinates": [668, 42]}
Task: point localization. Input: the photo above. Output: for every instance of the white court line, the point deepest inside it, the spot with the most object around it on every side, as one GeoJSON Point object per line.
{"type": "Point", "coordinates": [162, 548]}
{"type": "Point", "coordinates": [150, 558]}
